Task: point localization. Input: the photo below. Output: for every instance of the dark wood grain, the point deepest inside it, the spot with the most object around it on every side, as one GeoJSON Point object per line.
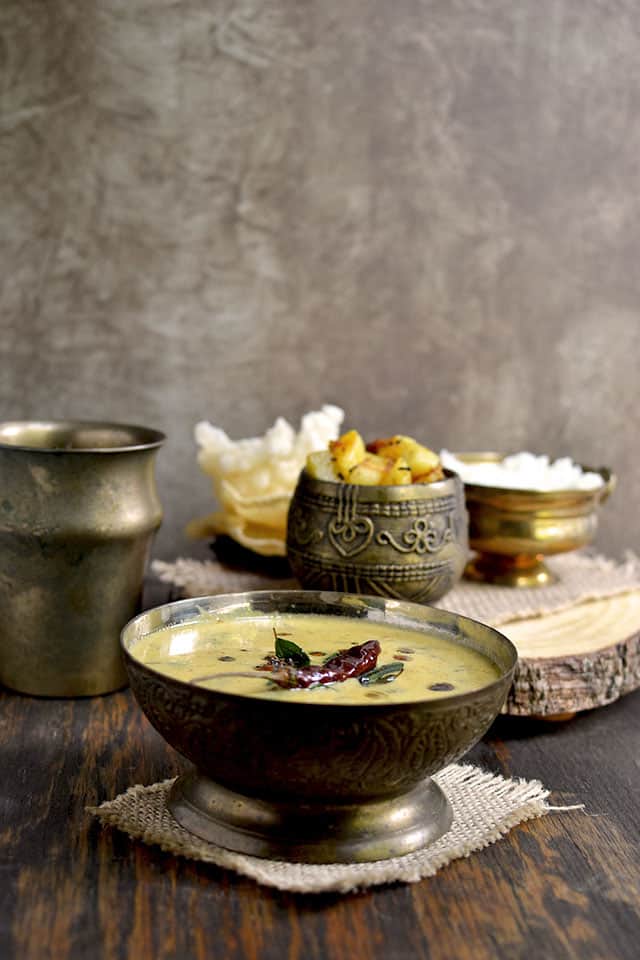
{"type": "Point", "coordinates": [567, 885]}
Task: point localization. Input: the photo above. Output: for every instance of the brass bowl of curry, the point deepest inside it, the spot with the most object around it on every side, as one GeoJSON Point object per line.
{"type": "Point", "coordinates": [332, 771]}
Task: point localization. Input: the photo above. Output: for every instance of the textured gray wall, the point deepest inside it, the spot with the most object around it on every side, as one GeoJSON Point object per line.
{"type": "Point", "coordinates": [427, 212]}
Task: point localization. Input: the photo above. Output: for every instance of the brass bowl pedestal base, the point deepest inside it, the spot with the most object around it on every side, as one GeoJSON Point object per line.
{"type": "Point", "coordinates": [311, 832]}
{"type": "Point", "coordinates": [522, 570]}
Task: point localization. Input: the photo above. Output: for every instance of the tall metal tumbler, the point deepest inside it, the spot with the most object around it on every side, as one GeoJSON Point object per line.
{"type": "Point", "coordinates": [78, 511]}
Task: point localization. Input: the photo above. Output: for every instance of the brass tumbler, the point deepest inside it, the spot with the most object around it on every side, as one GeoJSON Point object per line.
{"type": "Point", "coordinates": [78, 511]}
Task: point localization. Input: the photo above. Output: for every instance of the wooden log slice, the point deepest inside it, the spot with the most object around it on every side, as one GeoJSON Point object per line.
{"type": "Point", "coordinates": [576, 659]}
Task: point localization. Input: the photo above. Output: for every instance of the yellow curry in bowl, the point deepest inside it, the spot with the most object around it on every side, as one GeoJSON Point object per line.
{"type": "Point", "coordinates": [237, 656]}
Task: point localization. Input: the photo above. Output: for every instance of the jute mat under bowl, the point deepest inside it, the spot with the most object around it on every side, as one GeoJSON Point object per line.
{"type": "Point", "coordinates": [485, 808]}
{"type": "Point", "coordinates": [582, 576]}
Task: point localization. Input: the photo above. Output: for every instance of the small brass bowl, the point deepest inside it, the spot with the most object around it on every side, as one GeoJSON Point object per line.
{"type": "Point", "coordinates": [407, 542]}
{"type": "Point", "coordinates": [512, 530]}
{"type": "Point", "coordinates": [315, 782]}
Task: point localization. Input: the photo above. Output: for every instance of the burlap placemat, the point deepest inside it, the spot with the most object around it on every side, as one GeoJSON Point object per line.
{"type": "Point", "coordinates": [485, 807]}
{"type": "Point", "coordinates": [582, 576]}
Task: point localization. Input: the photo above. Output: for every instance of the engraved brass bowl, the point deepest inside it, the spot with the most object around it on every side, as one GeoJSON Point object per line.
{"type": "Point", "coordinates": [407, 542]}
{"type": "Point", "coordinates": [513, 530]}
{"type": "Point", "coordinates": [315, 782]}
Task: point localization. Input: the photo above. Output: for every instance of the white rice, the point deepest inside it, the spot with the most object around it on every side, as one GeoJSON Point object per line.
{"type": "Point", "coordinates": [524, 471]}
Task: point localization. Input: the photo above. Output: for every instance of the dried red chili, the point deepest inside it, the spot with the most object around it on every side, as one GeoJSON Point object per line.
{"type": "Point", "coordinates": [341, 666]}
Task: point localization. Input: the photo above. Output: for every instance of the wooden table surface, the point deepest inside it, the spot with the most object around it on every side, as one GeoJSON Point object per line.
{"type": "Point", "coordinates": [565, 885]}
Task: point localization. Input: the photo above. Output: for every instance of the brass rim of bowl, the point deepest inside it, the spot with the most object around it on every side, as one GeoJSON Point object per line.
{"type": "Point", "coordinates": [449, 475]}
{"type": "Point", "coordinates": [271, 703]}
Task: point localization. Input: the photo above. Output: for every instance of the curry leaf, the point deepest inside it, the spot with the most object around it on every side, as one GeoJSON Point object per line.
{"type": "Point", "coordinates": [384, 674]}
{"type": "Point", "coordinates": [291, 652]}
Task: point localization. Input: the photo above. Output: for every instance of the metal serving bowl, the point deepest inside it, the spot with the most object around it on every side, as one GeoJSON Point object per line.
{"type": "Point", "coordinates": [512, 530]}
{"type": "Point", "coordinates": [307, 781]}
{"type": "Point", "coordinates": [407, 542]}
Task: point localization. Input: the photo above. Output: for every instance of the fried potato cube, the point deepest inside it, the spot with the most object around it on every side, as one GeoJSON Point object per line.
{"type": "Point", "coordinates": [321, 465]}
{"type": "Point", "coordinates": [425, 463]}
{"type": "Point", "coordinates": [347, 451]}
{"type": "Point", "coordinates": [398, 471]}
{"type": "Point", "coordinates": [375, 470]}
{"type": "Point", "coordinates": [436, 474]}
{"type": "Point", "coordinates": [389, 461]}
